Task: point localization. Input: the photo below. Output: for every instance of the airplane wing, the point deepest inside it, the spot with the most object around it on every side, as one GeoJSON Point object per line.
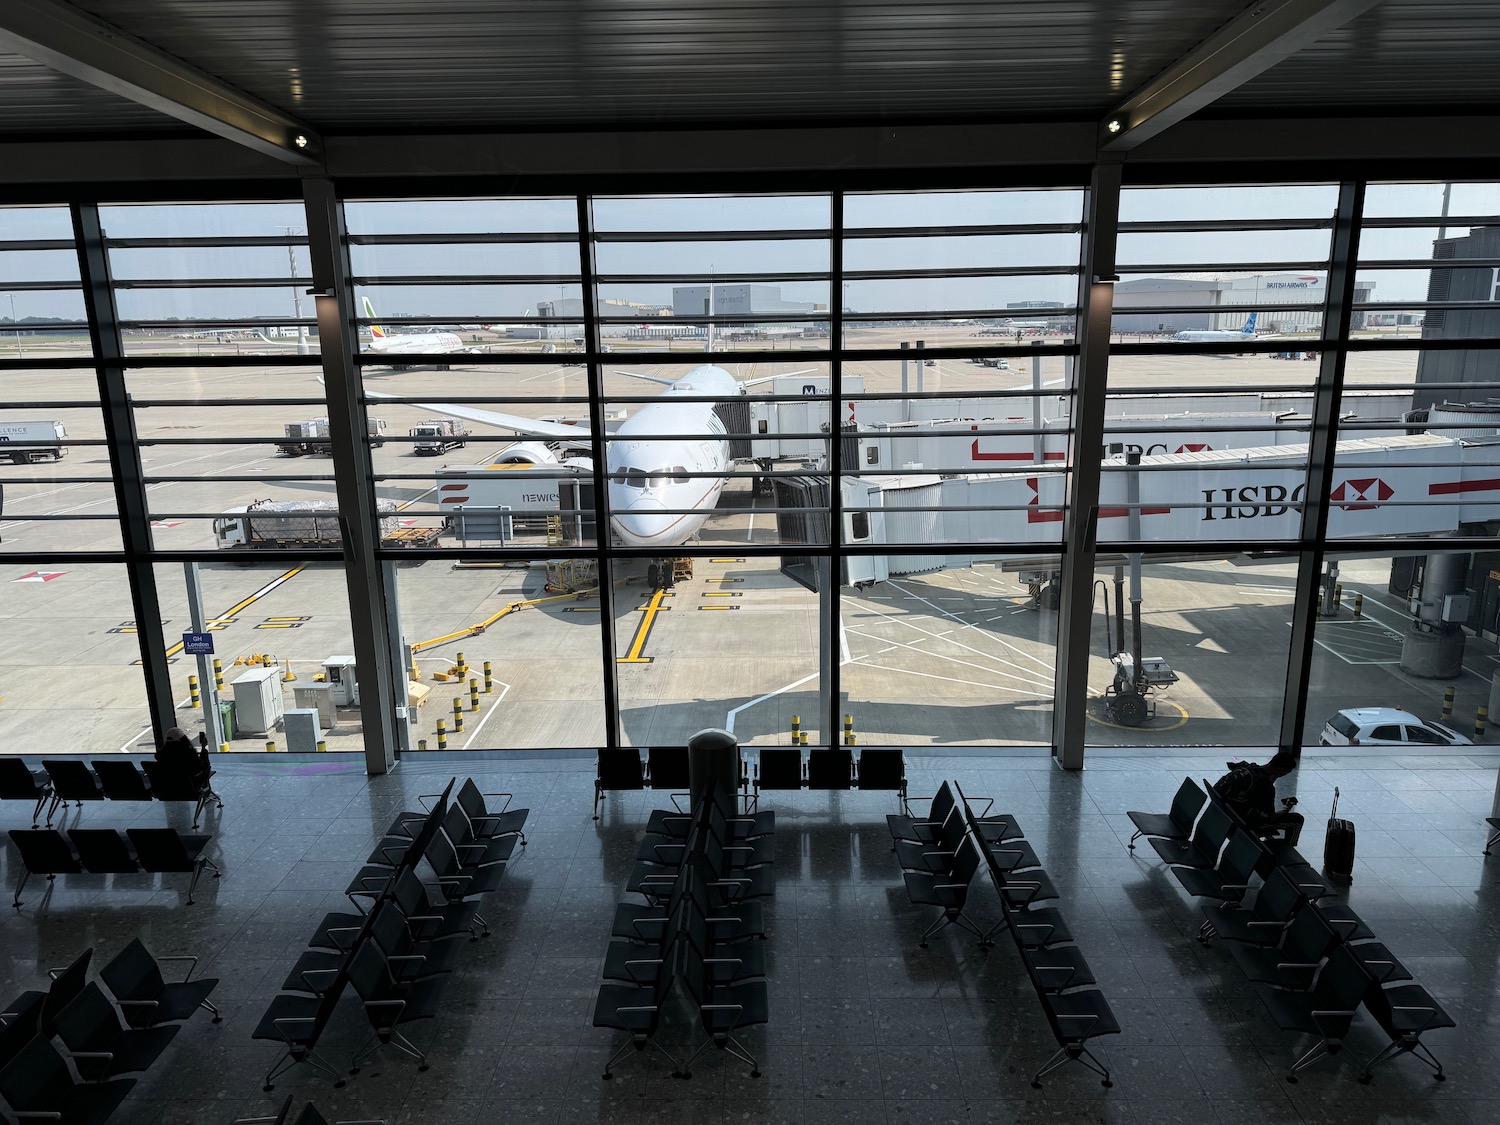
{"type": "Point", "coordinates": [531, 427]}
{"type": "Point", "coordinates": [779, 375]}
{"type": "Point", "coordinates": [662, 379]}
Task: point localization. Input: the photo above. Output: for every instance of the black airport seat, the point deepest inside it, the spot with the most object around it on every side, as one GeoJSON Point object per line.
{"type": "Point", "coordinates": [617, 768]}
{"type": "Point", "coordinates": [1175, 824]}
{"type": "Point", "coordinates": [72, 780]}
{"type": "Point", "coordinates": [67, 985]}
{"type": "Point", "coordinates": [19, 782]}
{"type": "Point", "coordinates": [167, 851]}
{"type": "Point", "coordinates": [169, 784]}
{"type": "Point", "coordinates": [18, 1024]}
{"type": "Point", "coordinates": [1326, 1010]}
{"type": "Point", "coordinates": [667, 767]}
{"type": "Point", "coordinates": [830, 767]}
{"type": "Point", "coordinates": [777, 768]}
{"type": "Point", "coordinates": [122, 780]}
{"type": "Point", "coordinates": [390, 1003]}
{"type": "Point", "coordinates": [43, 852]}
{"type": "Point", "coordinates": [103, 851]}
{"type": "Point", "coordinates": [883, 769]}
{"type": "Point", "coordinates": [148, 999]}
{"type": "Point", "coordinates": [39, 1087]}
{"type": "Point", "coordinates": [489, 823]}
{"type": "Point", "coordinates": [100, 1045]}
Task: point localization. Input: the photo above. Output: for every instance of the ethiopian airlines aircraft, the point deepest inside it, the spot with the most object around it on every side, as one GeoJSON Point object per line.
{"type": "Point", "coordinates": [410, 343]}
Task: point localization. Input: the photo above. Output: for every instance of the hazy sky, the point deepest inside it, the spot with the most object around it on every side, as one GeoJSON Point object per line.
{"type": "Point", "coordinates": [654, 266]}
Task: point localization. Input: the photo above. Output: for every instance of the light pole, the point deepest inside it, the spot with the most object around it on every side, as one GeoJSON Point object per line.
{"type": "Point", "coordinates": [16, 327]}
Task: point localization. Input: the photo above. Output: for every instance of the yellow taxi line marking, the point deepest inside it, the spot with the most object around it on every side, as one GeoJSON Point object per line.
{"type": "Point", "coordinates": [643, 630]}
{"type": "Point", "coordinates": [251, 600]}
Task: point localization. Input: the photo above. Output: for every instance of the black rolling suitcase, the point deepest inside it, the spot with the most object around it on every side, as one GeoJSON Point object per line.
{"type": "Point", "coordinates": [1338, 845]}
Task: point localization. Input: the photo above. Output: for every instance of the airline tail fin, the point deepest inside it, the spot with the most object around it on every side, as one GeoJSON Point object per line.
{"type": "Point", "coordinates": [375, 330]}
{"type": "Point", "coordinates": [1249, 329]}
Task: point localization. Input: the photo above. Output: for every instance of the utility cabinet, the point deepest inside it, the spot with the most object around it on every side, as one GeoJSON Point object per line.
{"type": "Point", "coordinates": [257, 701]}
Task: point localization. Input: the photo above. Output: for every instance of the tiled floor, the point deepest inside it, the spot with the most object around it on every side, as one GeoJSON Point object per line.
{"type": "Point", "coordinates": [865, 1027]}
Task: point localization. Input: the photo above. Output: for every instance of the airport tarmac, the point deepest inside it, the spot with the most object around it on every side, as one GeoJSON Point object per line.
{"type": "Point", "coordinates": [962, 657]}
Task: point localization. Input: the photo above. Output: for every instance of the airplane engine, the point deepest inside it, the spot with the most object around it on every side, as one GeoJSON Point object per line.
{"type": "Point", "coordinates": [526, 453]}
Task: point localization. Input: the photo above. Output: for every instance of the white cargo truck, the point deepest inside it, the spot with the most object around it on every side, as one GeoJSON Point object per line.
{"type": "Point", "coordinates": [269, 524]}
{"type": "Point", "coordinates": [33, 441]}
{"type": "Point", "coordinates": [311, 437]}
{"type": "Point", "coordinates": [436, 436]}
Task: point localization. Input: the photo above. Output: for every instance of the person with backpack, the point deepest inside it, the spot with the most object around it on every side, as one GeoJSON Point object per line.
{"type": "Point", "coordinates": [1249, 790]}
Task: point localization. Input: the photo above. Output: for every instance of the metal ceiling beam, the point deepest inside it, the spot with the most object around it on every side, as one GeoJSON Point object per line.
{"type": "Point", "coordinates": [72, 42]}
{"type": "Point", "coordinates": [1254, 41]}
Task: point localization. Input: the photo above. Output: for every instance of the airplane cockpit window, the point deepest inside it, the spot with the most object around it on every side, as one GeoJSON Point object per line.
{"type": "Point", "coordinates": [632, 477]}
{"type": "Point", "coordinates": [679, 475]}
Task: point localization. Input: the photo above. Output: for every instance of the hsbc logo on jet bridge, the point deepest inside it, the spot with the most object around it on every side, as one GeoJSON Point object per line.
{"type": "Point", "coordinates": [1255, 501]}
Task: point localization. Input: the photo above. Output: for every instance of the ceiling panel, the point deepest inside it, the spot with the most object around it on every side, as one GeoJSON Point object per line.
{"type": "Point", "coordinates": [1404, 54]}
{"type": "Point", "coordinates": [39, 101]}
{"type": "Point", "coordinates": [404, 64]}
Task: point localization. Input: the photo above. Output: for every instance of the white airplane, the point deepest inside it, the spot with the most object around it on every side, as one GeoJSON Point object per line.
{"type": "Point", "coordinates": [664, 484]}
{"type": "Point", "coordinates": [409, 343]}
{"type": "Point", "coordinates": [1210, 335]}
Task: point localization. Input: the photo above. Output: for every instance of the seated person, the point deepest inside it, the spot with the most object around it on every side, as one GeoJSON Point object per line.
{"type": "Point", "coordinates": [177, 752]}
{"type": "Point", "coordinates": [1249, 790]}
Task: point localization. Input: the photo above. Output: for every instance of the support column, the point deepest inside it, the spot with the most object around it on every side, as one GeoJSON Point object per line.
{"type": "Point", "coordinates": [369, 621]}
{"type": "Point", "coordinates": [209, 692]}
{"type": "Point", "coordinates": [125, 463]}
{"type": "Point", "coordinates": [1080, 522]}
{"type": "Point", "coordinates": [1320, 447]}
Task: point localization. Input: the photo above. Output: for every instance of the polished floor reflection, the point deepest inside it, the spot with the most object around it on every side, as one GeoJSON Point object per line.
{"type": "Point", "coordinates": [865, 1027]}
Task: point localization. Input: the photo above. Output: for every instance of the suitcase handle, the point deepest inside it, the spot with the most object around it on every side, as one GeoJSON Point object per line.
{"type": "Point", "coordinates": [1335, 812]}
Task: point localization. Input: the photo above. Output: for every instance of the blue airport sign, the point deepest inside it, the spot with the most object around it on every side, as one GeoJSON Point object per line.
{"type": "Point", "coordinates": [198, 644]}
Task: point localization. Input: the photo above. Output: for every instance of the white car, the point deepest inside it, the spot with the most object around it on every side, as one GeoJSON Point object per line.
{"type": "Point", "coordinates": [1386, 726]}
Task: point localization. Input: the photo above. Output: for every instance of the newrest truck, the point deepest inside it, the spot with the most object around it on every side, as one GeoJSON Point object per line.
{"type": "Point", "coordinates": [436, 436]}
{"type": "Point", "coordinates": [272, 524]}
{"type": "Point", "coordinates": [311, 437]}
{"type": "Point", "coordinates": [23, 442]}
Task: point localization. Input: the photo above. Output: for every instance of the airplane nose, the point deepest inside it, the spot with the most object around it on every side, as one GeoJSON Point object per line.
{"type": "Point", "coordinates": [639, 520]}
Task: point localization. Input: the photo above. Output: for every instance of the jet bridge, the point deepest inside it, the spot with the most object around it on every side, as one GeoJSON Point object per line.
{"type": "Point", "coordinates": [1395, 485]}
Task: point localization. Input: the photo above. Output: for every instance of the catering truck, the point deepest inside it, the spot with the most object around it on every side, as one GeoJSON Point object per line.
{"type": "Point", "coordinates": [436, 436]}
{"type": "Point", "coordinates": [33, 441]}
{"type": "Point", "coordinates": [270, 524]}
{"type": "Point", "coordinates": [311, 437]}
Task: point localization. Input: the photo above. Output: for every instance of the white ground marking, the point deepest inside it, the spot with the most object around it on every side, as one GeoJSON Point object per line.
{"type": "Point", "coordinates": [493, 708]}
{"type": "Point", "coordinates": [733, 714]}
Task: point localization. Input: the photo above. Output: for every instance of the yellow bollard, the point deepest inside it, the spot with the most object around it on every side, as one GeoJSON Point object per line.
{"type": "Point", "coordinates": [223, 748]}
{"type": "Point", "coordinates": [1481, 720]}
{"type": "Point", "coordinates": [442, 733]}
{"type": "Point", "coordinates": [1338, 597]}
{"type": "Point", "coordinates": [421, 744]}
{"type": "Point", "coordinates": [270, 747]}
{"type": "Point", "coordinates": [218, 674]}
{"type": "Point", "coordinates": [804, 738]}
{"type": "Point", "coordinates": [1448, 693]}
{"type": "Point", "coordinates": [1359, 606]}
{"type": "Point", "coordinates": [322, 747]}
{"type": "Point", "coordinates": [489, 682]}
{"type": "Point", "coordinates": [796, 730]}
{"type": "Point", "coordinates": [458, 714]}
{"type": "Point", "coordinates": [473, 695]}
{"type": "Point", "coordinates": [462, 666]}
{"type": "Point", "coordinates": [848, 730]}
{"type": "Point", "coordinates": [193, 691]}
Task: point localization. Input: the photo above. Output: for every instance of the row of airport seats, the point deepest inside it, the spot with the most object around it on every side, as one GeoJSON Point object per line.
{"type": "Point", "coordinates": [61, 780]}
{"type": "Point", "coordinates": [624, 769]}
{"type": "Point", "coordinates": [101, 1040]}
{"type": "Point", "coordinates": [940, 855]}
{"type": "Point", "coordinates": [103, 851]}
{"type": "Point", "coordinates": [701, 874]}
{"type": "Point", "coordinates": [1312, 965]}
{"type": "Point", "coordinates": [310, 1115]}
{"type": "Point", "coordinates": [398, 947]}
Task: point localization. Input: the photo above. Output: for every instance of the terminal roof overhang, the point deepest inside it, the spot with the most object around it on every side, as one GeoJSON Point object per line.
{"type": "Point", "coordinates": [175, 88]}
